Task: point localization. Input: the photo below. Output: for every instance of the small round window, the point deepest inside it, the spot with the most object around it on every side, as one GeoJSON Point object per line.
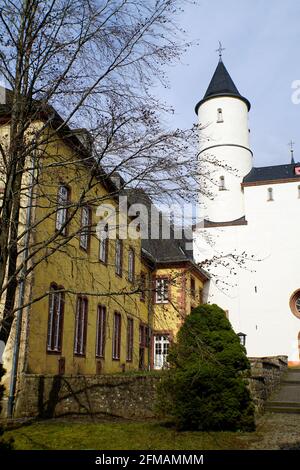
{"type": "Point", "coordinates": [295, 303]}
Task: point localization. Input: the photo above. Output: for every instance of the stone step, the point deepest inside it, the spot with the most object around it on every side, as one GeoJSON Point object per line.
{"type": "Point", "coordinates": [291, 382]}
{"type": "Point", "coordinates": [289, 392]}
{"type": "Point", "coordinates": [289, 404]}
{"type": "Point", "coordinates": [282, 409]}
{"type": "Point", "coordinates": [291, 377]}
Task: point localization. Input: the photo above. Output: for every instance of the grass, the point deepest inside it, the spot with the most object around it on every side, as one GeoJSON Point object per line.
{"type": "Point", "coordinates": [62, 435]}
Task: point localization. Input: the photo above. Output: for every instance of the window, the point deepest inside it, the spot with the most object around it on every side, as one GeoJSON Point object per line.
{"type": "Point", "coordinates": [299, 192]}
{"type": "Point", "coordinates": [101, 328]}
{"type": "Point", "coordinates": [220, 115]}
{"type": "Point", "coordinates": [131, 263]}
{"type": "Point", "coordinates": [295, 303]}
{"type": "Point", "coordinates": [118, 257]}
{"type": "Point", "coordinates": [129, 349]}
{"type": "Point", "coordinates": [200, 296]}
{"type": "Point", "coordinates": [162, 291]}
{"type": "Point", "coordinates": [144, 338]}
{"type": "Point", "coordinates": [222, 183]}
{"type": "Point", "coordinates": [55, 320]}
{"type": "Point", "coordinates": [270, 194]}
{"type": "Point", "coordinates": [81, 326]}
{"type": "Point", "coordinates": [193, 288]}
{"type": "Point", "coordinates": [161, 350]}
{"type": "Point", "coordinates": [62, 209]}
{"type": "Point", "coordinates": [103, 245]}
{"type": "Point", "coordinates": [143, 287]}
{"type": "Point", "coordinates": [85, 228]}
{"type": "Point", "coordinates": [116, 346]}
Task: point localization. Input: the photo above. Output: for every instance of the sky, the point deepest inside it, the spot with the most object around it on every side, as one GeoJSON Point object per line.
{"type": "Point", "coordinates": [262, 55]}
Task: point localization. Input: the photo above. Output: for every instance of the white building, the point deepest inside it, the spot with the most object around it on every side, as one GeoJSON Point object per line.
{"type": "Point", "coordinates": [252, 221]}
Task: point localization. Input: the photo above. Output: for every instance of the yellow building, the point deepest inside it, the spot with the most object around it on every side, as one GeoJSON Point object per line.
{"type": "Point", "coordinates": [177, 288]}
{"type": "Point", "coordinates": [93, 304]}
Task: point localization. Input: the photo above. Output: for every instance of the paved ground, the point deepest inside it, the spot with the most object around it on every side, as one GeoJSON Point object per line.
{"type": "Point", "coordinates": [277, 431]}
{"type": "Point", "coordinates": [279, 427]}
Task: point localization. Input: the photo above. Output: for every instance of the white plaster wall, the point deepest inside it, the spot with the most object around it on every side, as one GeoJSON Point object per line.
{"type": "Point", "coordinates": [226, 143]}
{"type": "Point", "coordinates": [272, 236]}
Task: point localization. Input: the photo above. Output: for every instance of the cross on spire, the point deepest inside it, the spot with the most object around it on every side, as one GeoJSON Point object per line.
{"type": "Point", "coordinates": [291, 145]}
{"type": "Point", "coordinates": [219, 50]}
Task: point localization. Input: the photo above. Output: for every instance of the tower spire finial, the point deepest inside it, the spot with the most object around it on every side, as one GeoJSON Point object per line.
{"type": "Point", "coordinates": [220, 50]}
{"type": "Point", "coordinates": [291, 145]}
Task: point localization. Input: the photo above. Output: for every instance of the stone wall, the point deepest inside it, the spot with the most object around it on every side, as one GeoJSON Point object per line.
{"type": "Point", "coordinates": [266, 375]}
{"type": "Point", "coordinates": [126, 396]}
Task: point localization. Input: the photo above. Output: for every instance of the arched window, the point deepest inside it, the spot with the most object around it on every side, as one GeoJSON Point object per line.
{"type": "Point", "coordinates": [221, 183]}
{"type": "Point", "coordinates": [220, 115]}
{"type": "Point", "coordinates": [270, 194]}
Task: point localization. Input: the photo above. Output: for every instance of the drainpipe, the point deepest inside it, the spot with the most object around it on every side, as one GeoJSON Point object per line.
{"type": "Point", "coordinates": [22, 286]}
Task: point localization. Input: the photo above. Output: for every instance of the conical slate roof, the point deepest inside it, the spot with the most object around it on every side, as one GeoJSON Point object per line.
{"type": "Point", "coordinates": [221, 84]}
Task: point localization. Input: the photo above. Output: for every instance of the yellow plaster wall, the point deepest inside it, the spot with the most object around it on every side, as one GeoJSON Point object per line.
{"type": "Point", "coordinates": [169, 317]}
{"type": "Point", "coordinates": [79, 272]}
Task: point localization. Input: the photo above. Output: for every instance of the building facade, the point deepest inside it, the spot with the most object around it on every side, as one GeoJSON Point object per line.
{"type": "Point", "coordinates": [249, 223]}
{"type": "Point", "coordinates": [91, 303]}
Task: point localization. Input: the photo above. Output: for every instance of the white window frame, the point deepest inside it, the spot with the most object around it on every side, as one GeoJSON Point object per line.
{"type": "Point", "coordinates": [161, 290]}
{"type": "Point", "coordinates": [161, 344]}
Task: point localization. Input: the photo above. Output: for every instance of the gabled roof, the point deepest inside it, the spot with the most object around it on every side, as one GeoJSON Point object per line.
{"type": "Point", "coordinates": [272, 173]}
{"type": "Point", "coordinates": [221, 84]}
{"type": "Point", "coordinates": [163, 252]}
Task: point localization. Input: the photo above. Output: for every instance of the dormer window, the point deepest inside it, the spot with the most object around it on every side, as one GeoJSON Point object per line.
{"type": "Point", "coordinates": [270, 194]}
{"type": "Point", "coordinates": [220, 115]}
{"type": "Point", "coordinates": [222, 183]}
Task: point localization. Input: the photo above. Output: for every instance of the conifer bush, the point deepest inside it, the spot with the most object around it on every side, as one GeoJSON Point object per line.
{"type": "Point", "coordinates": [204, 387]}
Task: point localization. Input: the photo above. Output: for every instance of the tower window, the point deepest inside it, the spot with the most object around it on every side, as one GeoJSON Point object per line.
{"type": "Point", "coordinates": [220, 115]}
{"type": "Point", "coordinates": [222, 183]}
{"type": "Point", "coordinates": [270, 194]}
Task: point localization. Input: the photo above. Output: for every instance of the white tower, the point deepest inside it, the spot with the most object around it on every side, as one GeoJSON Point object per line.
{"type": "Point", "coordinates": [225, 157]}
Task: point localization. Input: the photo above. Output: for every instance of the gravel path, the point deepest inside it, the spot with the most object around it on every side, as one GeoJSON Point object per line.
{"type": "Point", "coordinates": [277, 431]}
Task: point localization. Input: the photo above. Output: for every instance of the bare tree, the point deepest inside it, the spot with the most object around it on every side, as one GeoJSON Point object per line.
{"type": "Point", "coordinates": [90, 64]}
